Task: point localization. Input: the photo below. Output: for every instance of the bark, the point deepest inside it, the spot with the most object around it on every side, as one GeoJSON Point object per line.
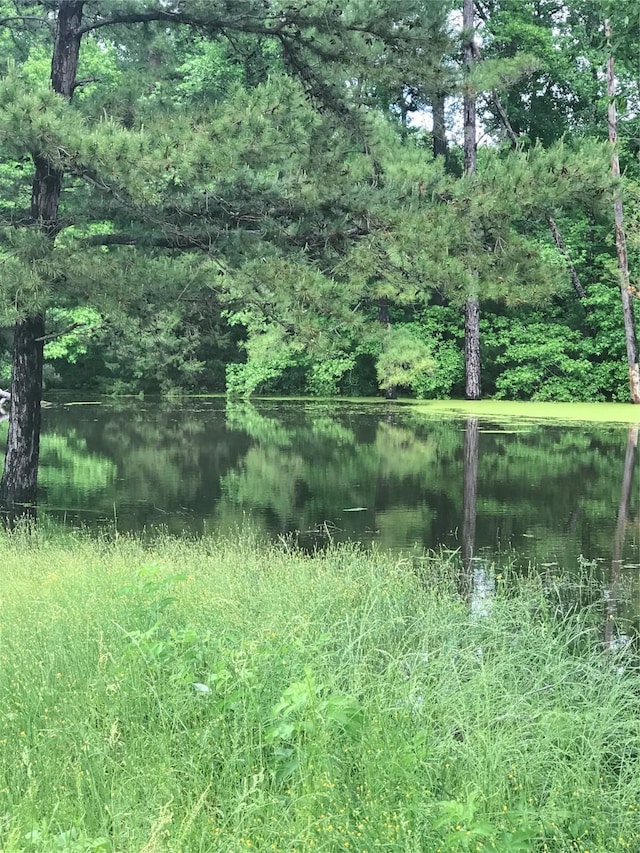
{"type": "Point", "coordinates": [23, 442]}
{"type": "Point", "coordinates": [621, 243]}
{"type": "Point", "coordinates": [20, 477]}
{"type": "Point", "coordinates": [66, 50]}
{"type": "Point", "coordinates": [472, 349]}
{"type": "Point", "coordinates": [390, 392]}
{"type": "Point", "coordinates": [472, 305]}
{"type": "Point", "coordinates": [469, 101]}
{"type": "Point", "coordinates": [439, 132]}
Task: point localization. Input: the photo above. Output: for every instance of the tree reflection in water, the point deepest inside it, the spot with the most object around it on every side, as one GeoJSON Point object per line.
{"type": "Point", "coordinates": [521, 492]}
{"type": "Point", "coordinates": [612, 637]}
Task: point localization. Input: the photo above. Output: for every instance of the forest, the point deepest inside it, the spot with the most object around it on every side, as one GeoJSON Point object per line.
{"type": "Point", "coordinates": [431, 198]}
{"type": "Point", "coordinates": [424, 199]}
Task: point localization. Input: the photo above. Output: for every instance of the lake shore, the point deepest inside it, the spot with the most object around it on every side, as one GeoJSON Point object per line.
{"type": "Point", "coordinates": [227, 695]}
{"type": "Point", "coordinates": [622, 413]}
{"type": "Point", "coordinates": [597, 413]}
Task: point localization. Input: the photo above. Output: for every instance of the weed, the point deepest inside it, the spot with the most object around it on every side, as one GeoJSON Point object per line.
{"type": "Point", "coordinates": [260, 699]}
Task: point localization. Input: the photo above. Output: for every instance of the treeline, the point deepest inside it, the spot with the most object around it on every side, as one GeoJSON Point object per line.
{"type": "Point", "coordinates": [276, 197]}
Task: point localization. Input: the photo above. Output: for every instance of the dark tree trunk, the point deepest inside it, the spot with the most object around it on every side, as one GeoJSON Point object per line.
{"type": "Point", "coordinates": [472, 349]}
{"type": "Point", "coordinates": [20, 478]}
{"type": "Point", "coordinates": [472, 306]}
{"type": "Point", "coordinates": [23, 442]}
{"type": "Point", "coordinates": [440, 147]}
{"type": "Point", "coordinates": [390, 392]}
{"type": "Point", "coordinates": [631, 339]}
{"type": "Point", "coordinates": [469, 101]}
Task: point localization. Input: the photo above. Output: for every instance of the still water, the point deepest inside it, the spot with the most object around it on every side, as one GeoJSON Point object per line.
{"type": "Point", "coordinates": [553, 494]}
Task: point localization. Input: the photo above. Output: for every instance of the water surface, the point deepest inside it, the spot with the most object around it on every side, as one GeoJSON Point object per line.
{"type": "Point", "coordinates": [369, 472]}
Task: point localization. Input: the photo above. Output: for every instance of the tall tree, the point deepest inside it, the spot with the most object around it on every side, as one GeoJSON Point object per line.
{"type": "Point", "coordinates": [472, 304]}
{"type": "Point", "coordinates": [195, 195]}
{"type": "Point", "coordinates": [19, 480]}
{"type": "Point", "coordinates": [564, 93]}
{"type": "Point", "coordinates": [621, 241]}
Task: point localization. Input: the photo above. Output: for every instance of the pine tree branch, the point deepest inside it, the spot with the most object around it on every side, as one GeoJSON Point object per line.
{"type": "Point", "coordinates": [23, 18]}
{"type": "Point", "coordinates": [55, 335]}
{"type": "Point", "coordinates": [285, 22]}
{"type": "Point", "coordinates": [557, 236]}
{"type": "Point", "coordinates": [211, 25]}
{"type": "Point", "coordinates": [186, 242]}
{"type": "Point", "coordinates": [131, 18]}
{"type": "Point", "coordinates": [180, 241]}
{"type": "Point", "coordinates": [85, 82]}
{"type": "Point", "coordinates": [504, 118]}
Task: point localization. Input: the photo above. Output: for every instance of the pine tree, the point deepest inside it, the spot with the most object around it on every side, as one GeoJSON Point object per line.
{"type": "Point", "coordinates": [257, 189]}
{"type": "Point", "coordinates": [472, 304]}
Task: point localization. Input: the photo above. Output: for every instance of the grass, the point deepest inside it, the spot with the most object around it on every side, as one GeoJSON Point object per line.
{"type": "Point", "coordinates": [225, 696]}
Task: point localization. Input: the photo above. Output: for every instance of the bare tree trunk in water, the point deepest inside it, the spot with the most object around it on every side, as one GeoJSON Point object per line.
{"type": "Point", "coordinates": [621, 242]}
{"type": "Point", "coordinates": [469, 501]}
{"type": "Point", "coordinates": [472, 305]}
{"type": "Point", "coordinates": [611, 593]}
{"type": "Point", "coordinates": [20, 478]}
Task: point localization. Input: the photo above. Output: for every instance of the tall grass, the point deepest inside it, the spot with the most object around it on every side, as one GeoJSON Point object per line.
{"type": "Point", "coordinates": [224, 696]}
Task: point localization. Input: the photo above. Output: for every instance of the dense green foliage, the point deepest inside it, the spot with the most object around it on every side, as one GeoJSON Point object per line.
{"type": "Point", "coordinates": [250, 202]}
{"type": "Point", "coordinates": [263, 700]}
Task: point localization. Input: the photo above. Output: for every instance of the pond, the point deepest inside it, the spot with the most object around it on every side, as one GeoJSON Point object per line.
{"type": "Point", "coordinates": [524, 491]}
{"type": "Point", "coordinates": [370, 472]}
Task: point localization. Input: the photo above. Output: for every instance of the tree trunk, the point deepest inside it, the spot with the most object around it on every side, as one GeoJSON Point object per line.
{"type": "Point", "coordinates": [621, 243]}
{"type": "Point", "coordinates": [472, 306]}
{"type": "Point", "coordinates": [472, 349]}
{"type": "Point", "coordinates": [20, 477]}
{"type": "Point", "coordinates": [439, 132]}
{"type": "Point", "coordinates": [390, 392]}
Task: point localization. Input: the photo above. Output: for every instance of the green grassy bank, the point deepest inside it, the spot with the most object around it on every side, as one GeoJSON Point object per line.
{"type": "Point", "coordinates": [228, 697]}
